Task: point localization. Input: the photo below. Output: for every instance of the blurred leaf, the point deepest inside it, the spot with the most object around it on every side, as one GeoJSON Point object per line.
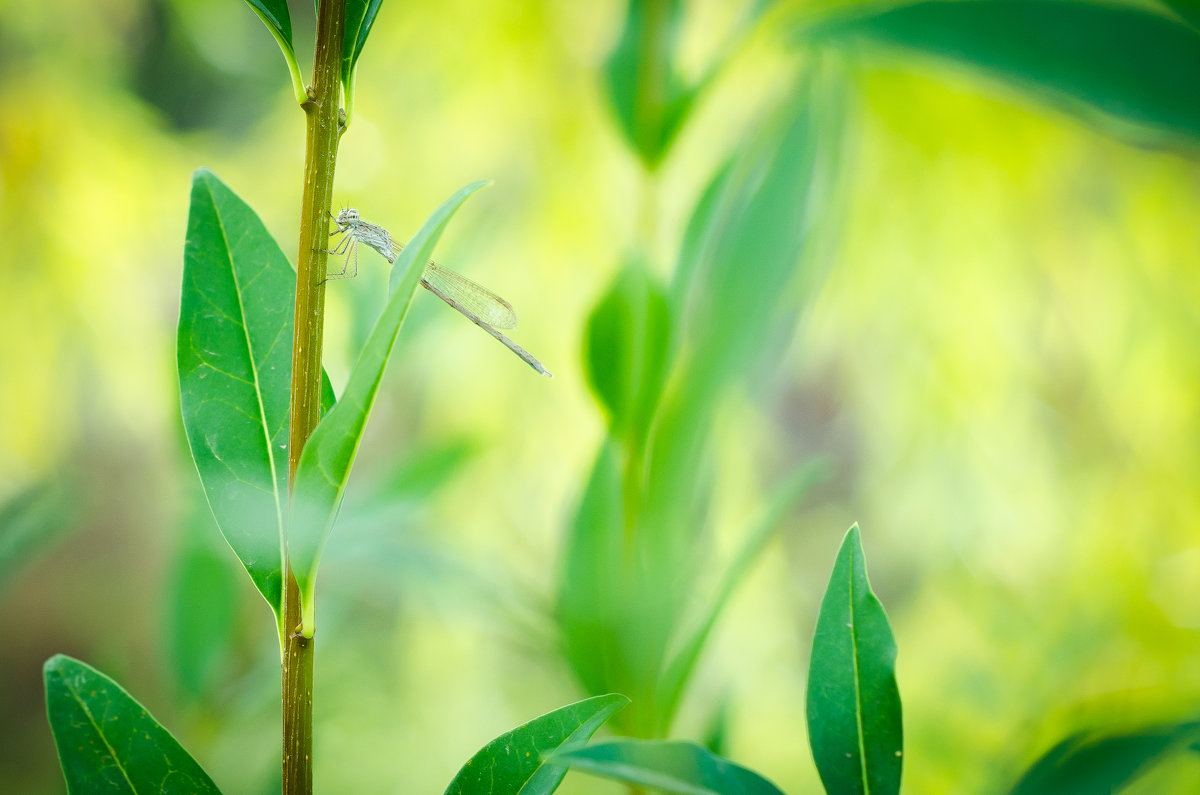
{"type": "Point", "coordinates": [418, 476]}
{"type": "Point", "coordinates": [679, 670]}
{"type": "Point", "coordinates": [716, 736]}
{"type": "Point", "coordinates": [707, 219]}
{"type": "Point", "coordinates": [274, 14]}
{"type": "Point", "coordinates": [625, 350]}
{"type": "Point", "coordinates": [31, 521]}
{"type": "Point", "coordinates": [201, 608]}
{"type": "Point", "coordinates": [854, 721]}
{"type": "Point", "coordinates": [1129, 63]}
{"type": "Point", "coordinates": [667, 765]}
{"type": "Point", "coordinates": [515, 763]}
{"type": "Point", "coordinates": [588, 600]}
{"type": "Point", "coordinates": [1188, 10]}
{"type": "Point", "coordinates": [108, 742]}
{"type": "Point", "coordinates": [329, 453]}
{"type": "Point", "coordinates": [235, 365]}
{"type": "Point", "coordinates": [649, 98]}
{"type": "Point", "coordinates": [1090, 765]}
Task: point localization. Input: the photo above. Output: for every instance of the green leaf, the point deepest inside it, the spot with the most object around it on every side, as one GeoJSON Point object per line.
{"type": "Point", "coordinates": [650, 100]}
{"type": "Point", "coordinates": [235, 364]}
{"type": "Point", "coordinates": [1188, 10]}
{"type": "Point", "coordinates": [515, 763]}
{"type": "Point", "coordinates": [589, 595]}
{"type": "Point", "coordinates": [274, 14]}
{"type": "Point", "coordinates": [625, 350]}
{"type": "Point", "coordinates": [854, 724]}
{"type": "Point", "coordinates": [324, 466]}
{"type": "Point", "coordinates": [1092, 765]}
{"type": "Point", "coordinates": [679, 670]}
{"type": "Point", "coordinates": [360, 17]}
{"type": "Point", "coordinates": [1125, 62]}
{"type": "Point", "coordinates": [201, 604]}
{"type": "Point", "coordinates": [108, 742]}
{"type": "Point", "coordinates": [667, 765]}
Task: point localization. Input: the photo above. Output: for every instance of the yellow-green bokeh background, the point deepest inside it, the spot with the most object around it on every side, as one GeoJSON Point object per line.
{"type": "Point", "coordinates": [1003, 364]}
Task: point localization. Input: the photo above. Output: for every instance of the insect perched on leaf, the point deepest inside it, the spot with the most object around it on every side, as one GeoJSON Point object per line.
{"type": "Point", "coordinates": [473, 301]}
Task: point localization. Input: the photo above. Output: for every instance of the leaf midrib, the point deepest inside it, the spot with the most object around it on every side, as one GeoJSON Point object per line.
{"type": "Point", "coordinates": [858, 705]}
{"type": "Point", "coordinates": [96, 726]}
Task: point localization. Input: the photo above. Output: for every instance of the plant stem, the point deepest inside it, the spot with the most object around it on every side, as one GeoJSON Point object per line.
{"type": "Point", "coordinates": [323, 132]}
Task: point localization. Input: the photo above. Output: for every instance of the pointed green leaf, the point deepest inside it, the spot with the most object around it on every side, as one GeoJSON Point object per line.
{"type": "Point", "coordinates": [854, 724]}
{"type": "Point", "coordinates": [515, 762]}
{"type": "Point", "coordinates": [329, 453]}
{"type": "Point", "coordinates": [1128, 63]}
{"type": "Point", "coordinates": [667, 765]}
{"type": "Point", "coordinates": [108, 742]}
{"type": "Point", "coordinates": [360, 17]}
{"type": "Point", "coordinates": [650, 100]}
{"type": "Point", "coordinates": [234, 354]}
{"type": "Point", "coordinates": [1098, 765]}
{"type": "Point", "coordinates": [274, 14]}
{"type": "Point", "coordinates": [625, 350]}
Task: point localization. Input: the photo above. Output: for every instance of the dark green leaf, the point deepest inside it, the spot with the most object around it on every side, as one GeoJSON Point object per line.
{"type": "Point", "coordinates": [625, 350]}
{"type": "Point", "coordinates": [235, 364]}
{"type": "Point", "coordinates": [854, 723]}
{"type": "Point", "coordinates": [515, 763]}
{"type": "Point", "coordinates": [329, 453]}
{"type": "Point", "coordinates": [30, 522]}
{"type": "Point", "coordinates": [592, 575]}
{"type": "Point", "coordinates": [1188, 10]}
{"type": "Point", "coordinates": [1091, 765]}
{"type": "Point", "coordinates": [108, 742]}
{"type": "Point", "coordinates": [650, 100]}
{"type": "Point", "coordinates": [274, 14]}
{"type": "Point", "coordinates": [667, 765]}
{"type": "Point", "coordinates": [1128, 63]}
{"type": "Point", "coordinates": [679, 671]}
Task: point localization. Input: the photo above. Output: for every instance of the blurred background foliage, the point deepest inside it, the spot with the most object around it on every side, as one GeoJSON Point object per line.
{"type": "Point", "coordinates": [994, 354]}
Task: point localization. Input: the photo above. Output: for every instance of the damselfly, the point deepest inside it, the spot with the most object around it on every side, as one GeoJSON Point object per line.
{"type": "Point", "coordinates": [476, 303]}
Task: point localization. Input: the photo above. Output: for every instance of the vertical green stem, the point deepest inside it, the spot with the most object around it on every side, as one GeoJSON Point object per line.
{"type": "Point", "coordinates": [323, 132]}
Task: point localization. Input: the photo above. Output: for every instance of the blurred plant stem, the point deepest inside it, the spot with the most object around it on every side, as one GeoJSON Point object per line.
{"type": "Point", "coordinates": [323, 131]}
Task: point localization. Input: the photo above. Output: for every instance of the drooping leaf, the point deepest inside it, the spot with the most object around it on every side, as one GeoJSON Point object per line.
{"type": "Point", "coordinates": [625, 350]}
{"type": "Point", "coordinates": [1126, 62]}
{"type": "Point", "coordinates": [667, 765]}
{"type": "Point", "coordinates": [854, 723]}
{"type": "Point", "coordinates": [515, 763]}
{"type": "Point", "coordinates": [108, 742]}
{"type": "Point", "coordinates": [274, 14]}
{"type": "Point", "coordinates": [649, 98]}
{"type": "Point", "coordinates": [1097, 765]}
{"type": "Point", "coordinates": [32, 520]}
{"type": "Point", "coordinates": [590, 590]}
{"type": "Point", "coordinates": [235, 363]}
{"type": "Point", "coordinates": [324, 466]}
{"type": "Point", "coordinates": [679, 670]}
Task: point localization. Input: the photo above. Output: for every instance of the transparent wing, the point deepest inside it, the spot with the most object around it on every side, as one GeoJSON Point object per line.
{"type": "Point", "coordinates": [482, 302]}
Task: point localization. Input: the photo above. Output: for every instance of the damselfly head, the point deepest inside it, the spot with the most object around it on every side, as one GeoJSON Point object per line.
{"type": "Point", "coordinates": [345, 218]}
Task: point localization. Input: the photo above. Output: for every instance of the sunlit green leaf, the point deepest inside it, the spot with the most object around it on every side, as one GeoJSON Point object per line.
{"type": "Point", "coordinates": [235, 363]}
{"type": "Point", "coordinates": [515, 763]}
{"type": "Point", "coordinates": [329, 453]}
{"type": "Point", "coordinates": [108, 742]}
{"type": "Point", "coordinates": [625, 350]}
{"type": "Point", "coordinates": [854, 723]}
{"type": "Point", "coordinates": [668, 766]}
{"type": "Point", "coordinates": [1098, 765]}
{"type": "Point", "coordinates": [1129, 63]}
{"type": "Point", "coordinates": [650, 100]}
{"type": "Point", "coordinates": [274, 14]}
